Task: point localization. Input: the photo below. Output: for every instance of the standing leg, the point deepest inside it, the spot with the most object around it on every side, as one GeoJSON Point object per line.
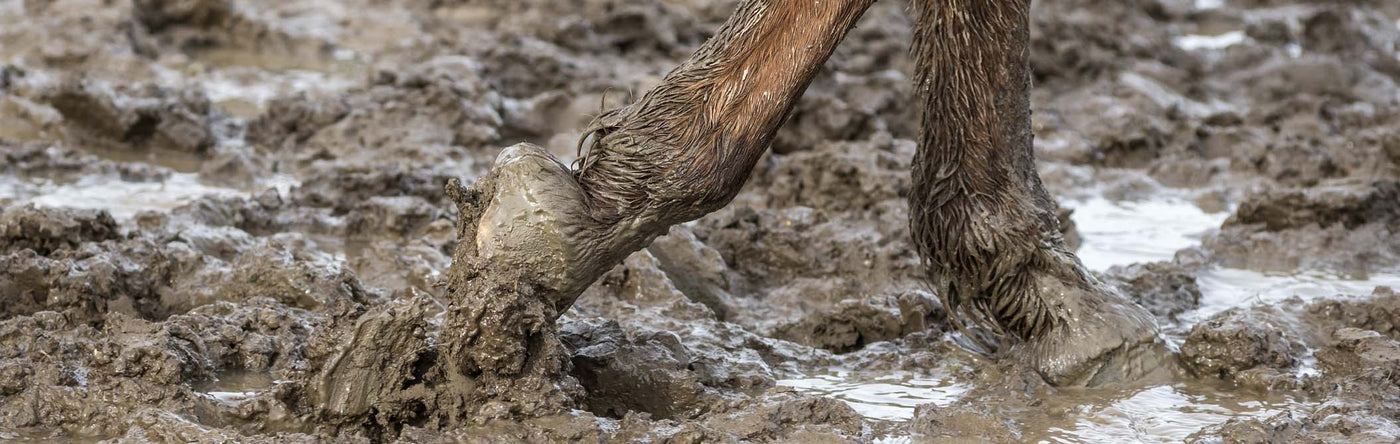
{"type": "Point", "coordinates": [981, 219]}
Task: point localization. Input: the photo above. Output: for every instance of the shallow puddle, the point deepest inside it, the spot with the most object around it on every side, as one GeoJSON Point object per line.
{"type": "Point", "coordinates": [1209, 4]}
{"type": "Point", "coordinates": [124, 199]}
{"type": "Point", "coordinates": [889, 397]}
{"type": "Point", "coordinates": [243, 82]}
{"type": "Point", "coordinates": [1225, 288]}
{"type": "Point", "coordinates": [1122, 233]}
{"type": "Point", "coordinates": [235, 386]}
{"type": "Point", "coordinates": [246, 93]}
{"type": "Point", "coordinates": [1162, 413]}
{"type": "Point", "coordinates": [1199, 42]}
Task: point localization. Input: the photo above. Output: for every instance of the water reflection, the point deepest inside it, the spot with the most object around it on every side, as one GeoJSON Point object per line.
{"type": "Point", "coordinates": [1121, 233]}
{"type": "Point", "coordinates": [235, 386]}
{"type": "Point", "coordinates": [124, 199]}
{"type": "Point", "coordinates": [889, 397]}
{"type": "Point", "coordinates": [1225, 288]}
{"type": "Point", "coordinates": [1164, 413]}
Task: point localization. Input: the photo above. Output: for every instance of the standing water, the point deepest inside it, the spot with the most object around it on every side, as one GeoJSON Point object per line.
{"type": "Point", "coordinates": [1121, 233]}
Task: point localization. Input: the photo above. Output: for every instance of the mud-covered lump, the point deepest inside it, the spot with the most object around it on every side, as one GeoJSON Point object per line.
{"type": "Point", "coordinates": [45, 230]}
{"type": "Point", "coordinates": [1237, 340]}
{"type": "Point", "coordinates": [136, 118]}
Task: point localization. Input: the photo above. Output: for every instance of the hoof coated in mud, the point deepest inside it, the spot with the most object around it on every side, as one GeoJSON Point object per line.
{"type": "Point", "coordinates": [533, 217]}
{"type": "Point", "coordinates": [1105, 339]}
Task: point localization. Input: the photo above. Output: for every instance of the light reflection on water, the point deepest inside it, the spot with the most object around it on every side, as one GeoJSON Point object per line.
{"type": "Point", "coordinates": [1121, 233]}
{"type": "Point", "coordinates": [1163, 413]}
{"type": "Point", "coordinates": [124, 199]}
{"type": "Point", "coordinates": [235, 386]}
{"type": "Point", "coordinates": [889, 397]}
{"type": "Point", "coordinates": [1224, 288]}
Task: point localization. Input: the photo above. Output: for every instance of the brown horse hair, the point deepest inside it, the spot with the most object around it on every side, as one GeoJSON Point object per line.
{"type": "Point", "coordinates": [981, 220]}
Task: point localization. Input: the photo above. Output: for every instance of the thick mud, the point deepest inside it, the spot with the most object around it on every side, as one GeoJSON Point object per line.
{"type": "Point", "coordinates": [228, 221]}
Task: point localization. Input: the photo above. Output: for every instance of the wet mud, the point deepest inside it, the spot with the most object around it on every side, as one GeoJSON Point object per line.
{"type": "Point", "coordinates": [231, 221]}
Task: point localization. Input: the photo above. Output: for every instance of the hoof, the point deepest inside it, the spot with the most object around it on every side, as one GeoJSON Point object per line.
{"type": "Point", "coordinates": [1102, 338]}
{"type": "Point", "coordinates": [533, 222]}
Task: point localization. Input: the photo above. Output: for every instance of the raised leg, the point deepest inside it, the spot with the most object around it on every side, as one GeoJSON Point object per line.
{"type": "Point", "coordinates": [683, 150]}
{"type": "Point", "coordinates": [981, 219]}
{"type": "Point", "coordinates": [534, 233]}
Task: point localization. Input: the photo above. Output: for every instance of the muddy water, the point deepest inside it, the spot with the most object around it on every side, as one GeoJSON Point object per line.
{"type": "Point", "coordinates": [1114, 233]}
{"type": "Point", "coordinates": [1160, 413]}
{"type": "Point", "coordinates": [378, 102]}
{"type": "Point", "coordinates": [125, 199]}
{"type": "Point", "coordinates": [1122, 233]}
{"type": "Point", "coordinates": [886, 397]}
{"type": "Point", "coordinates": [234, 387]}
{"type": "Point", "coordinates": [242, 82]}
{"type": "Point", "coordinates": [1224, 288]}
{"type": "Point", "coordinates": [1154, 414]}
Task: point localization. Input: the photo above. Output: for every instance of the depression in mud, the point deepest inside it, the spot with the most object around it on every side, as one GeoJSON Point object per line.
{"type": "Point", "coordinates": [281, 222]}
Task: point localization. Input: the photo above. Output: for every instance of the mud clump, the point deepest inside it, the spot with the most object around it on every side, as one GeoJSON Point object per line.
{"type": "Point", "coordinates": [1380, 312]}
{"type": "Point", "coordinates": [411, 113]}
{"type": "Point", "coordinates": [853, 324]}
{"type": "Point", "coordinates": [1110, 34]}
{"type": "Point", "coordinates": [77, 262]}
{"type": "Point", "coordinates": [1363, 365]}
{"type": "Point", "coordinates": [1236, 341]}
{"type": "Point", "coordinates": [364, 376]}
{"type": "Point", "coordinates": [344, 188]}
{"type": "Point", "coordinates": [954, 424]}
{"type": "Point", "coordinates": [1164, 288]}
{"type": "Point", "coordinates": [47, 230]}
{"type": "Point", "coordinates": [649, 373]}
{"type": "Point", "coordinates": [1346, 226]}
{"type": "Point", "coordinates": [135, 119]}
{"type": "Point", "coordinates": [159, 14]}
{"type": "Point", "coordinates": [1358, 352]}
{"type": "Point", "coordinates": [1349, 206]}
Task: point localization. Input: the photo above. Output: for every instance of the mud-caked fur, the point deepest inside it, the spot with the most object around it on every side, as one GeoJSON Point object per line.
{"type": "Point", "coordinates": [533, 234]}
{"type": "Point", "coordinates": [981, 219]}
{"type": "Point", "coordinates": [682, 150]}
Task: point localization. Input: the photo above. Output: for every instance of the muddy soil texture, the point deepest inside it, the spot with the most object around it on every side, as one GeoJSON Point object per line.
{"type": "Point", "coordinates": [228, 221]}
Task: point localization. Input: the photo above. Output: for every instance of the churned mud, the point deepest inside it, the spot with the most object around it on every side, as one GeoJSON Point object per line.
{"type": "Point", "coordinates": [229, 221]}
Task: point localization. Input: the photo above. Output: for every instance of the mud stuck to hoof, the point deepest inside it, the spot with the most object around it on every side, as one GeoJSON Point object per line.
{"type": "Point", "coordinates": [492, 351]}
{"type": "Point", "coordinates": [226, 221]}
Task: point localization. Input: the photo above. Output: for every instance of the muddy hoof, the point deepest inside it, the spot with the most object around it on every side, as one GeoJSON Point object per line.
{"type": "Point", "coordinates": [1103, 338]}
{"type": "Point", "coordinates": [535, 219]}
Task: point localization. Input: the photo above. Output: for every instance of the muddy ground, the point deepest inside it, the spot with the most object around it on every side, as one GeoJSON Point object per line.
{"type": "Point", "coordinates": [204, 202]}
